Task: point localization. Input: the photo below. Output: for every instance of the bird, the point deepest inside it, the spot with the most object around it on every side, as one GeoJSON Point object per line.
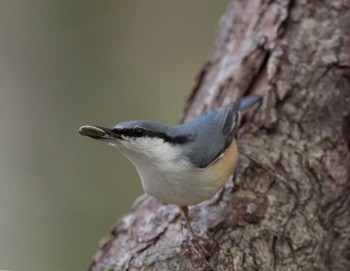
{"type": "Point", "coordinates": [185, 164]}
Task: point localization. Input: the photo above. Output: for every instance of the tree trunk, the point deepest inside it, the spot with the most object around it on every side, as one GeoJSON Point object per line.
{"type": "Point", "coordinates": [293, 212]}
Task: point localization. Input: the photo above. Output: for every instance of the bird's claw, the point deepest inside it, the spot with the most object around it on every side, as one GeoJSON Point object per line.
{"type": "Point", "coordinates": [200, 243]}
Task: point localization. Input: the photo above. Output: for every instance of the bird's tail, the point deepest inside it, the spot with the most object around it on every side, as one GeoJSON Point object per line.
{"type": "Point", "coordinates": [249, 101]}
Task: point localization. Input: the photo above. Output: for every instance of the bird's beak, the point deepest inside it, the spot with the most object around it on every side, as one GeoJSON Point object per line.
{"type": "Point", "coordinates": [99, 133]}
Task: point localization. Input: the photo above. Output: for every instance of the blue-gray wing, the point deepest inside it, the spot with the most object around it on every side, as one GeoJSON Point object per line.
{"type": "Point", "coordinates": [212, 132]}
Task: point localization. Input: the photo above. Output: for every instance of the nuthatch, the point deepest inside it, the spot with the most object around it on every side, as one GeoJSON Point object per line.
{"type": "Point", "coordinates": [182, 165]}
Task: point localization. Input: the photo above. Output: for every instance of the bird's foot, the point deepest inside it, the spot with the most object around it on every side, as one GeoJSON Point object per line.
{"type": "Point", "coordinates": [201, 244]}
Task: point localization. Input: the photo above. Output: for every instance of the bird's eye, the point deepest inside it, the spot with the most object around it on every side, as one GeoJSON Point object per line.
{"type": "Point", "coordinates": [138, 132]}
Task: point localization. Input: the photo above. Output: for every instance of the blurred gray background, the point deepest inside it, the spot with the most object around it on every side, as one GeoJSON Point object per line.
{"type": "Point", "coordinates": [68, 63]}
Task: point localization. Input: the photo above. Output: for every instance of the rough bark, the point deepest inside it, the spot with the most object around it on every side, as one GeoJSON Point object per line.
{"type": "Point", "coordinates": [295, 213]}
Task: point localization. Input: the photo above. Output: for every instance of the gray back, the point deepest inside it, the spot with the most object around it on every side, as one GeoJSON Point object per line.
{"type": "Point", "coordinates": [212, 131]}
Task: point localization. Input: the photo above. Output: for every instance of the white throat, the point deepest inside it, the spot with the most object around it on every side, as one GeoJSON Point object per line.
{"type": "Point", "coordinates": [165, 173]}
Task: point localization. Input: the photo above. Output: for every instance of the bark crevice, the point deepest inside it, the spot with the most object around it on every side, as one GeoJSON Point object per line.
{"type": "Point", "coordinates": [294, 212]}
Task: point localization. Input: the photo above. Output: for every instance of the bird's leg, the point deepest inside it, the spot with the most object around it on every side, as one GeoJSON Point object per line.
{"type": "Point", "coordinates": [184, 212]}
{"type": "Point", "coordinates": [196, 239]}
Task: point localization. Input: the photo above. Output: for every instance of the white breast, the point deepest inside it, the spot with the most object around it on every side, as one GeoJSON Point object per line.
{"type": "Point", "coordinates": [165, 175]}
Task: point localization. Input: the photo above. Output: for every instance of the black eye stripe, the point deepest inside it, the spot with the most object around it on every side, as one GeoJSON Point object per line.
{"type": "Point", "coordinates": [135, 132]}
{"type": "Point", "coordinates": [141, 132]}
{"type": "Point", "coordinates": [138, 132]}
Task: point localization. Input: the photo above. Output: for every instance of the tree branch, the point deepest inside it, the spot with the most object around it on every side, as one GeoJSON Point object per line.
{"type": "Point", "coordinates": [297, 55]}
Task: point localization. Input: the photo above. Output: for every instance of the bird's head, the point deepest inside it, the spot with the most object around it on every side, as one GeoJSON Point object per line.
{"type": "Point", "coordinates": [140, 138]}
